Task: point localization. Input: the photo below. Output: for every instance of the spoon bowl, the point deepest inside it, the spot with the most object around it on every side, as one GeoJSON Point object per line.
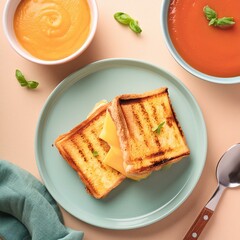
{"type": "Point", "coordinates": [228, 176]}
{"type": "Point", "coordinates": [228, 168]}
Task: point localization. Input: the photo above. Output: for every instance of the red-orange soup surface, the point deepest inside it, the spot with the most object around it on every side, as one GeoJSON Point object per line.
{"type": "Point", "coordinates": [209, 49]}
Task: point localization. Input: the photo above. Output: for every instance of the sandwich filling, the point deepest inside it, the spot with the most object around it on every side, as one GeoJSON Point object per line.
{"type": "Point", "coordinates": [114, 157]}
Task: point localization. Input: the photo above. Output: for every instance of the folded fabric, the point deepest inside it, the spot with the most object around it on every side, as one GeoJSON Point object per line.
{"type": "Point", "coordinates": [27, 210]}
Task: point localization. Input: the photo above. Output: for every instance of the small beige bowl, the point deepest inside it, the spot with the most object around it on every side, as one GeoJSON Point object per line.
{"type": "Point", "coordinates": [8, 16]}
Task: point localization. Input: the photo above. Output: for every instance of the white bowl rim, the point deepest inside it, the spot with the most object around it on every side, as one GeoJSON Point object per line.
{"type": "Point", "coordinates": [22, 52]}
{"type": "Point", "coordinates": [180, 60]}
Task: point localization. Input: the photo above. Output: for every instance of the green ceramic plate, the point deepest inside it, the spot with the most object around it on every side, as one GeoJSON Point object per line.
{"type": "Point", "coordinates": [132, 204]}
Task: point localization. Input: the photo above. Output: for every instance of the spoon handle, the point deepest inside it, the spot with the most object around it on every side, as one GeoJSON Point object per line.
{"type": "Point", "coordinates": [199, 224]}
{"type": "Point", "coordinates": [205, 215]}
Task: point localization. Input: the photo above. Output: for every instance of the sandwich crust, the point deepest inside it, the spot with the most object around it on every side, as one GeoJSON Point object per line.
{"type": "Point", "coordinates": [135, 116]}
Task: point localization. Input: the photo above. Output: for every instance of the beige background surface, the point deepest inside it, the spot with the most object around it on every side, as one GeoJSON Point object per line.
{"type": "Point", "coordinates": [20, 108]}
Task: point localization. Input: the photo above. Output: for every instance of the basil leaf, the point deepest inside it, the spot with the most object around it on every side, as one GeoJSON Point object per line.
{"type": "Point", "coordinates": [32, 84]}
{"type": "Point", "coordinates": [213, 22]}
{"type": "Point", "coordinates": [95, 153]}
{"type": "Point", "coordinates": [122, 18]}
{"type": "Point", "coordinates": [158, 128]}
{"type": "Point", "coordinates": [223, 22]}
{"type": "Point", "coordinates": [134, 26]}
{"type": "Point", "coordinates": [23, 82]}
{"type": "Point", "coordinates": [125, 19]}
{"type": "Point", "coordinates": [209, 13]}
{"type": "Point", "coordinates": [21, 79]}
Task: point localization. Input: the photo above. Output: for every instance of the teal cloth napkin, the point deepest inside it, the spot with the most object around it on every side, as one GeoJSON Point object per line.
{"type": "Point", "coordinates": [27, 210]}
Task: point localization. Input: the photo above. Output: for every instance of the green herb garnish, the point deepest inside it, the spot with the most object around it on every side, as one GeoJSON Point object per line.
{"type": "Point", "coordinates": [122, 18]}
{"type": "Point", "coordinates": [95, 153]}
{"type": "Point", "coordinates": [158, 128]}
{"type": "Point", "coordinates": [211, 16]}
{"type": "Point", "coordinates": [125, 19]}
{"type": "Point", "coordinates": [23, 82]}
{"type": "Point", "coordinates": [134, 26]}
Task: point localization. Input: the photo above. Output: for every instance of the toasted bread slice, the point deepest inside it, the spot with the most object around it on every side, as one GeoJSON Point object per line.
{"type": "Point", "coordinates": [85, 151]}
{"type": "Point", "coordinates": [136, 117]}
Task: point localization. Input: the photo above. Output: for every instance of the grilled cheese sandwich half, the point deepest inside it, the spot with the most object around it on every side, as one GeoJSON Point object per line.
{"type": "Point", "coordinates": [82, 148]}
{"type": "Point", "coordinates": [143, 149]}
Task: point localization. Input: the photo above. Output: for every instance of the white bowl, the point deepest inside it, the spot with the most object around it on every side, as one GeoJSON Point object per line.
{"type": "Point", "coordinates": [180, 60]}
{"type": "Point", "coordinates": [8, 16]}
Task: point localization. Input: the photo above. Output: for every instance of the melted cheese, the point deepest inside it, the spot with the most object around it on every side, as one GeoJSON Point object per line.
{"type": "Point", "coordinates": [114, 156]}
{"type": "Point", "coordinates": [97, 105]}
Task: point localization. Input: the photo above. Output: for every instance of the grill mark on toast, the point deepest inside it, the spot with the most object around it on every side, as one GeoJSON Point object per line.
{"type": "Point", "coordinates": [157, 154]}
{"type": "Point", "coordinates": [154, 115]}
{"type": "Point", "coordinates": [161, 162]}
{"type": "Point", "coordinates": [146, 122]}
{"type": "Point", "coordinates": [164, 107]}
{"type": "Point", "coordinates": [85, 140]}
{"type": "Point", "coordinates": [170, 121]}
{"type": "Point", "coordinates": [83, 177]}
{"type": "Point", "coordinates": [91, 148]}
{"type": "Point", "coordinates": [148, 116]}
{"type": "Point", "coordinates": [168, 160]}
{"type": "Point", "coordinates": [154, 110]}
{"type": "Point", "coordinates": [82, 155]}
{"type": "Point", "coordinates": [75, 143]}
{"type": "Point", "coordinates": [70, 160]}
{"type": "Point", "coordinates": [138, 121]}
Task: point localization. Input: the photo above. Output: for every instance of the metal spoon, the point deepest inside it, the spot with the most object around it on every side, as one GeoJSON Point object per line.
{"type": "Point", "coordinates": [228, 176]}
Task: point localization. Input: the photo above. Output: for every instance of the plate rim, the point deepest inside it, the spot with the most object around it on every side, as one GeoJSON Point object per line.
{"type": "Point", "coordinates": [93, 68]}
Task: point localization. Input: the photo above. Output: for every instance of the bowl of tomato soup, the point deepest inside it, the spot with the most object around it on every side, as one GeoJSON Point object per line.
{"type": "Point", "coordinates": [50, 31]}
{"type": "Point", "coordinates": [199, 43]}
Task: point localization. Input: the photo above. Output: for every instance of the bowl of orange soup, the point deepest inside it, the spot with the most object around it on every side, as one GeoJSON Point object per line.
{"type": "Point", "coordinates": [50, 31]}
{"type": "Point", "coordinates": [203, 37]}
